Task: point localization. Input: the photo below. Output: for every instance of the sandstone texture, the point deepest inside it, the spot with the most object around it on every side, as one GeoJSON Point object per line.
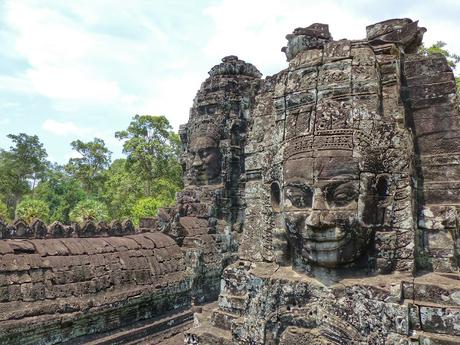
{"type": "Point", "coordinates": [321, 206]}
{"type": "Point", "coordinates": [350, 232]}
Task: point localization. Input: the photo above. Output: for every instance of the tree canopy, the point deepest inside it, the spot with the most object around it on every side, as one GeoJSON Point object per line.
{"type": "Point", "coordinates": [21, 167]}
{"type": "Point", "coordinates": [90, 166]}
{"type": "Point", "coordinates": [91, 186]}
{"type": "Point", "coordinates": [152, 150]}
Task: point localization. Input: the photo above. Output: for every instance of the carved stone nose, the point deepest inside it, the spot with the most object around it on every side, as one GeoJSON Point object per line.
{"type": "Point", "coordinates": [319, 202]}
{"type": "Point", "coordinates": [314, 219]}
{"type": "Point", "coordinates": [197, 161]}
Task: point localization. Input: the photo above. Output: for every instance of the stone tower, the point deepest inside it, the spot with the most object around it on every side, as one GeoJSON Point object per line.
{"type": "Point", "coordinates": [351, 222]}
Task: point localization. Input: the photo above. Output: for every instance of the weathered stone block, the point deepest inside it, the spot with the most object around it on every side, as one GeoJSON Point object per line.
{"type": "Point", "coordinates": [443, 320]}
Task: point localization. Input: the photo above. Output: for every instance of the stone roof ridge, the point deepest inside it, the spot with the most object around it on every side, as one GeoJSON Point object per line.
{"type": "Point", "coordinates": [232, 65]}
{"type": "Point", "coordinates": [314, 36]}
{"type": "Point", "coordinates": [403, 32]}
{"type": "Point", "coordinates": [319, 30]}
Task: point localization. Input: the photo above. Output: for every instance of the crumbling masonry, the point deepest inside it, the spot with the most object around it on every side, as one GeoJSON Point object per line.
{"type": "Point", "coordinates": [321, 205]}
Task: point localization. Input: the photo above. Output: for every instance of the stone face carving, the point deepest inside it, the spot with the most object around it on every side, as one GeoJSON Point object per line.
{"type": "Point", "coordinates": [217, 121]}
{"type": "Point", "coordinates": [321, 197]}
{"type": "Point", "coordinates": [351, 218]}
{"type": "Point", "coordinates": [336, 183]}
{"type": "Point", "coordinates": [204, 159]}
{"type": "Point", "coordinates": [209, 212]}
{"type": "Point", "coordinates": [320, 206]}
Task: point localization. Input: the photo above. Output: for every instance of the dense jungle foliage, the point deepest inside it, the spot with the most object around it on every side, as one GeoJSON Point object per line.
{"type": "Point", "coordinates": [92, 186]}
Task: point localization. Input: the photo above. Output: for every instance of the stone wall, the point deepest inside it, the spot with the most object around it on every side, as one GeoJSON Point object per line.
{"type": "Point", "coordinates": [54, 290]}
{"type": "Point", "coordinates": [432, 108]}
{"type": "Point", "coordinates": [38, 229]}
{"type": "Point", "coordinates": [320, 206]}
{"type": "Point", "coordinates": [86, 280]}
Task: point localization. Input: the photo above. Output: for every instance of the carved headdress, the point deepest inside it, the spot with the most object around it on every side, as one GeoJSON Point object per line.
{"type": "Point", "coordinates": [206, 129]}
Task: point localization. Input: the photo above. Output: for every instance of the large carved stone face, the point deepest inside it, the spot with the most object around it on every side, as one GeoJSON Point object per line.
{"type": "Point", "coordinates": [327, 209]}
{"type": "Point", "coordinates": [204, 160]}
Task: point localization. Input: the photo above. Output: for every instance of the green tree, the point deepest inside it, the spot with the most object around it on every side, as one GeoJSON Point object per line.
{"type": "Point", "coordinates": [145, 207]}
{"type": "Point", "coordinates": [89, 210]}
{"type": "Point", "coordinates": [164, 192]}
{"type": "Point", "coordinates": [61, 192]}
{"type": "Point", "coordinates": [122, 188]}
{"type": "Point", "coordinates": [12, 184]}
{"type": "Point", "coordinates": [90, 167]}
{"type": "Point", "coordinates": [153, 150]}
{"type": "Point", "coordinates": [29, 209]}
{"type": "Point", "coordinates": [165, 189]}
{"type": "Point", "coordinates": [4, 214]}
{"type": "Point", "coordinates": [22, 167]}
{"type": "Point", "coordinates": [438, 48]}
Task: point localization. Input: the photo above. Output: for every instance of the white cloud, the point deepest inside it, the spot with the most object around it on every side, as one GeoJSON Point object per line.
{"type": "Point", "coordinates": [67, 84]}
{"type": "Point", "coordinates": [8, 105]}
{"type": "Point", "coordinates": [96, 65]}
{"type": "Point", "coordinates": [70, 129]}
{"type": "Point", "coordinates": [63, 128]}
{"type": "Point", "coordinates": [64, 57]}
{"type": "Point", "coordinates": [258, 33]}
{"type": "Point", "coordinates": [173, 99]}
{"type": "Point", "coordinates": [15, 83]}
{"type": "Point", "coordinates": [260, 30]}
{"type": "Point", "coordinates": [130, 99]}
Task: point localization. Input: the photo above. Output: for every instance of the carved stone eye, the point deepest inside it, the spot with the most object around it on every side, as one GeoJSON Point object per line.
{"type": "Point", "coordinates": [341, 194]}
{"type": "Point", "coordinates": [204, 153]}
{"type": "Point", "coordinates": [300, 196]}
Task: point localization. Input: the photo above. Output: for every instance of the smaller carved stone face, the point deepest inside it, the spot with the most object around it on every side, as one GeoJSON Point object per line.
{"type": "Point", "coordinates": [323, 220]}
{"type": "Point", "coordinates": [204, 160]}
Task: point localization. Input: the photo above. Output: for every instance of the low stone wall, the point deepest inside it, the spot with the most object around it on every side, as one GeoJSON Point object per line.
{"type": "Point", "coordinates": [55, 290]}
{"type": "Point", "coordinates": [38, 229]}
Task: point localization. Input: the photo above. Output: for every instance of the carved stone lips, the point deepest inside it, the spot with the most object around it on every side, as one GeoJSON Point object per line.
{"type": "Point", "coordinates": [200, 174]}
{"type": "Point", "coordinates": [326, 240]}
{"type": "Point", "coordinates": [325, 235]}
{"type": "Point", "coordinates": [324, 246]}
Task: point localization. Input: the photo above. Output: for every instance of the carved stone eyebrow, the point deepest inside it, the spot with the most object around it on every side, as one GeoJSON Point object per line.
{"type": "Point", "coordinates": [298, 183]}
{"type": "Point", "coordinates": [345, 177]}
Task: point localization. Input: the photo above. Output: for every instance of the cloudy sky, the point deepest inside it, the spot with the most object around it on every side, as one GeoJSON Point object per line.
{"type": "Point", "coordinates": [81, 69]}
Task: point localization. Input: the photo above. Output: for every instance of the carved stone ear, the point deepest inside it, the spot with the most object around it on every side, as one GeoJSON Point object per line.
{"type": "Point", "coordinates": [382, 193]}
{"type": "Point", "coordinates": [373, 199]}
{"type": "Point", "coordinates": [275, 196]}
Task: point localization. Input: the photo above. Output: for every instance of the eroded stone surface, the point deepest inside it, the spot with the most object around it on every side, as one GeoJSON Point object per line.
{"type": "Point", "coordinates": [209, 213]}
{"type": "Point", "coordinates": [96, 284]}
{"type": "Point", "coordinates": [350, 198]}
{"type": "Point", "coordinates": [320, 206]}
